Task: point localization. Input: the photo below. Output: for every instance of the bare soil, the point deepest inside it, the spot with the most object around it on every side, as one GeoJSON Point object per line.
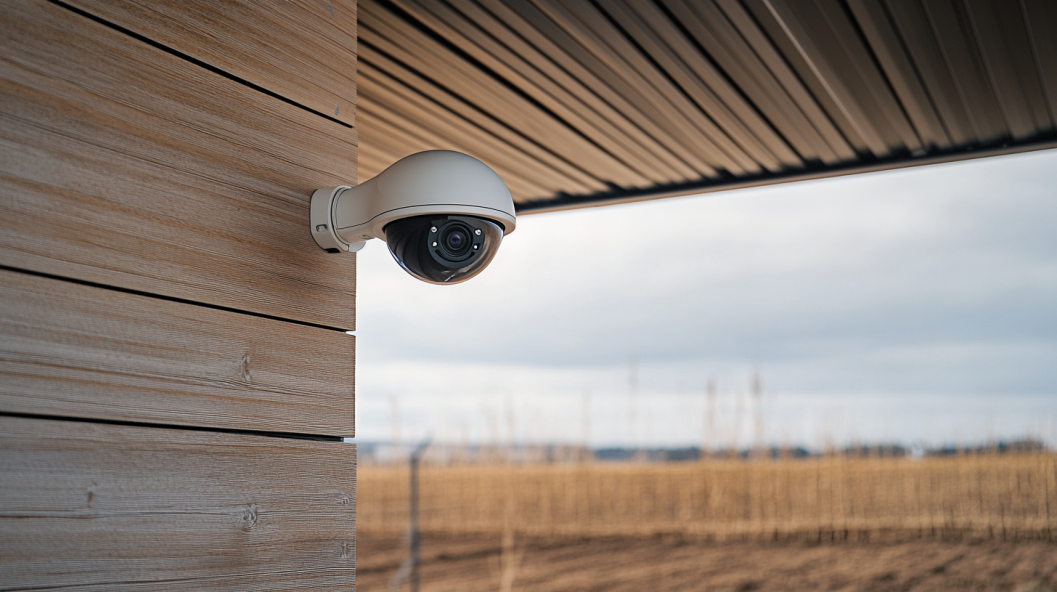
{"type": "Point", "coordinates": [469, 563]}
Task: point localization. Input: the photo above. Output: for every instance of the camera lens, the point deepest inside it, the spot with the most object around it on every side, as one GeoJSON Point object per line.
{"type": "Point", "coordinates": [455, 241]}
{"type": "Point", "coordinates": [445, 250]}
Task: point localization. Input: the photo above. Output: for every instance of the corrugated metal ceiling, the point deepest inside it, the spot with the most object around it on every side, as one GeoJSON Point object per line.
{"type": "Point", "coordinates": [586, 102]}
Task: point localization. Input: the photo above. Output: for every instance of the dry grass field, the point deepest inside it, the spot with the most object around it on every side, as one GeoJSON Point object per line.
{"type": "Point", "coordinates": [956, 498]}
{"type": "Point", "coordinates": [965, 523]}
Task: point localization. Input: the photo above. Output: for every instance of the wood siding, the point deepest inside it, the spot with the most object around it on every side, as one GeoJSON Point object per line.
{"type": "Point", "coordinates": [175, 373]}
{"type": "Point", "coordinates": [103, 507]}
{"type": "Point", "coordinates": [71, 350]}
{"type": "Point", "coordinates": [128, 166]}
{"type": "Point", "coordinates": [303, 51]}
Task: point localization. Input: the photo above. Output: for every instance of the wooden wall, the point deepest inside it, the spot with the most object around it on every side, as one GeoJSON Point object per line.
{"type": "Point", "coordinates": [175, 372]}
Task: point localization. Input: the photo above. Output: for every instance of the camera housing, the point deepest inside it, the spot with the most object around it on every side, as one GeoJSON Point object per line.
{"type": "Point", "coordinates": [443, 215]}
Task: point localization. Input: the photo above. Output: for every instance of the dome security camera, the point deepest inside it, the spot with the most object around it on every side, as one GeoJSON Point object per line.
{"type": "Point", "coordinates": [441, 213]}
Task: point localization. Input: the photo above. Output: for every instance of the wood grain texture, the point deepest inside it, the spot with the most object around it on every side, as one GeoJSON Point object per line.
{"type": "Point", "coordinates": [650, 110]}
{"type": "Point", "coordinates": [390, 35]}
{"type": "Point", "coordinates": [435, 126]}
{"type": "Point", "coordinates": [477, 32]}
{"type": "Point", "coordinates": [124, 165]}
{"type": "Point", "coordinates": [103, 507]}
{"type": "Point", "coordinates": [302, 50]}
{"type": "Point", "coordinates": [79, 351]}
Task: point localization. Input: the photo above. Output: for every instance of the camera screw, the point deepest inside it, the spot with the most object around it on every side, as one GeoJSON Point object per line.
{"type": "Point", "coordinates": [434, 243]}
{"type": "Point", "coordinates": [477, 232]}
{"type": "Point", "coordinates": [433, 229]}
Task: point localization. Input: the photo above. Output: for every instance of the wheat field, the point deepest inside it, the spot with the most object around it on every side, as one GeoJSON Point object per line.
{"type": "Point", "coordinates": [978, 496]}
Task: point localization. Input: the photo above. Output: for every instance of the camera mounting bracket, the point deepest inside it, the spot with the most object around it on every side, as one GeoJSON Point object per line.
{"type": "Point", "coordinates": [321, 215]}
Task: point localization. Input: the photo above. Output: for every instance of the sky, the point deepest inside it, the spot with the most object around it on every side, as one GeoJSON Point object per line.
{"type": "Point", "coordinates": [916, 306]}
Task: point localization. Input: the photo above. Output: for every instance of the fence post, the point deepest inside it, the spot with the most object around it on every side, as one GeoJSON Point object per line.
{"type": "Point", "coordinates": [409, 567]}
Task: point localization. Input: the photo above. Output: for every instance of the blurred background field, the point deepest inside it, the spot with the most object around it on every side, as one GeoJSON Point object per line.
{"type": "Point", "coordinates": [965, 496]}
{"type": "Point", "coordinates": [557, 519]}
{"type": "Point", "coordinates": [866, 362]}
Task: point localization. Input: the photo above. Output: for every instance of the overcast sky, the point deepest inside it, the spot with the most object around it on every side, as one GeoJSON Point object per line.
{"type": "Point", "coordinates": [915, 306]}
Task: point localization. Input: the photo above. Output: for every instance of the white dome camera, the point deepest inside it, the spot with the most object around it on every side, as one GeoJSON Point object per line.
{"type": "Point", "coordinates": [441, 213]}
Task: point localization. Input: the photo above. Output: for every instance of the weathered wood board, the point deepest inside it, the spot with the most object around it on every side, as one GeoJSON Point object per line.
{"type": "Point", "coordinates": [125, 165]}
{"type": "Point", "coordinates": [71, 350]}
{"type": "Point", "coordinates": [104, 507]}
{"type": "Point", "coordinates": [304, 51]}
{"type": "Point", "coordinates": [156, 268]}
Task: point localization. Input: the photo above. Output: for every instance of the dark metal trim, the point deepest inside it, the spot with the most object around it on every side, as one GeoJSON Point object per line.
{"type": "Point", "coordinates": [572, 202]}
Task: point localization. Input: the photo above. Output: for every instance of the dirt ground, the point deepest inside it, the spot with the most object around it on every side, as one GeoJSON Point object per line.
{"type": "Point", "coordinates": [468, 563]}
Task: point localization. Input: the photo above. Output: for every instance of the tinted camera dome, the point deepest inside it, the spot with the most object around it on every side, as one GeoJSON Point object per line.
{"type": "Point", "coordinates": [443, 249]}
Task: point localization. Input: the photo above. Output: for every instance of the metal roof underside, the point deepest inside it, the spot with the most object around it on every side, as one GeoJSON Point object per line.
{"type": "Point", "coordinates": [578, 103]}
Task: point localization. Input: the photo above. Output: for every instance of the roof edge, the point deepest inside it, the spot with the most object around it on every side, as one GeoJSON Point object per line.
{"type": "Point", "coordinates": [593, 200]}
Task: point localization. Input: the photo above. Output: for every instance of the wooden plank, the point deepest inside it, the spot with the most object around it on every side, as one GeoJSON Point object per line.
{"type": "Point", "coordinates": [434, 120]}
{"type": "Point", "coordinates": [624, 67]}
{"type": "Point", "coordinates": [304, 51]}
{"type": "Point", "coordinates": [124, 165]}
{"type": "Point", "coordinates": [591, 28]}
{"type": "Point", "coordinates": [72, 350]}
{"type": "Point", "coordinates": [386, 128]}
{"type": "Point", "coordinates": [577, 83]}
{"type": "Point", "coordinates": [436, 127]}
{"type": "Point", "coordinates": [530, 30]}
{"type": "Point", "coordinates": [106, 507]}
{"type": "Point", "coordinates": [378, 156]}
{"type": "Point", "coordinates": [526, 20]}
{"type": "Point", "coordinates": [523, 65]}
{"type": "Point", "coordinates": [385, 66]}
{"type": "Point", "coordinates": [490, 97]}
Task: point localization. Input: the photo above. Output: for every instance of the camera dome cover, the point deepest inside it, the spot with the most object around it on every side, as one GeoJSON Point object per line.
{"type": "Point", "coordinates": [443, 249]}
